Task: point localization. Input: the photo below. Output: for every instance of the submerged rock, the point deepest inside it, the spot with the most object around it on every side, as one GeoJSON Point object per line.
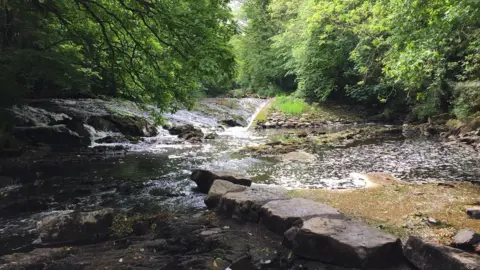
{"type": "Point", "coordinates": [218, 189]}
{"type": "Point", "coordinates": [235, 122]}
{"type": "Point", "coordinates": [187, 132]}
{"type": "Point", "coordinates": [211, 136]}
{"type": "Point", "coordinates": [345, 243]}
{"type": "Point", "coordinates": [76, 227]}
{"type": "Point", "coordinates": [430, 256]}
{"type": "Point", "coordinates": [204, 179]}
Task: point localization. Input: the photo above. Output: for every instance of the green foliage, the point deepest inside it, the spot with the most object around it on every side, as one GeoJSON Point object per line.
{"type": "Point", "coordinates": [290, 105]}
{"type": "Point", "coordinates": [148, 51]}
{"type": "Point", "coordinates": [386, 53]}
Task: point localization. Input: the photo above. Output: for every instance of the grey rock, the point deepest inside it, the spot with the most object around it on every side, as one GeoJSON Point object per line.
{"type": "Point", "coordinates": [58, 135]}
{"type": "Point", "coordinates": [75, 227]}
{"type": "Point", "coordinates": [246, 205]}
{"type": "Point", "coordinates": [474, 212]}
{"type": "Point", "coordinates": [218, 189]}
{"type": "Point", "coordinates": [211, 136]}
{"type": "Point", "coordinates": [237, 122]}
{"type": "Point", "coordinates": [204, 179]}
{"type": "Point", "coordinates": [345, 243]}
{"type": "Point", "coordinates": [430, 256]}
{"type": "Point", "coordinates": [279, 216]}
{"type": "Point", "coordinates": [466, 239]}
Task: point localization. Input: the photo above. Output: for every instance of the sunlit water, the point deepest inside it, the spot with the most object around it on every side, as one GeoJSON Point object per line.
{"type": "Point", "coordinates": [154, 175]}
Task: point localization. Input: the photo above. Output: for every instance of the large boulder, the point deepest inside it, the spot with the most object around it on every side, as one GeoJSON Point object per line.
{"type": "Point", "coordinates": [218, 189]}
{"type": "Point", "coordinates": [343, 242]}
{"type": "Point", "coordinates": [246, 205]}
{"type": "Point", "coordinates": [430, 256]}
{"type": "Point", "coordinates": [76, 227]}
{"type": "Point", "coordinates": [204, 179]}
{"type": "Point", "coordinates": [58, 135]}
{"type": "Point", "coordinates": [279, 216]}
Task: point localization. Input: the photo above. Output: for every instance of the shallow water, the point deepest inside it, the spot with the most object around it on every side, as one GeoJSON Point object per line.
{"type": "Point", "coordinates": [154, 175]}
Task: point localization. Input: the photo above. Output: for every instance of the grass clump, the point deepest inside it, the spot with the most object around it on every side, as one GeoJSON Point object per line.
{"type": "Point", "coordinates": [290, 105]}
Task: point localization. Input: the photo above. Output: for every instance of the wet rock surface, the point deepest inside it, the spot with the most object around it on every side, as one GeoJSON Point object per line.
{"type": "Point", "coordinates": [430, 256]}
{"type": "Point", "coordinates": [204, 179]}
{"type": "Point", "coordinates": [51, 135]}
{"type": "Point", "coordinates": [76, 227]}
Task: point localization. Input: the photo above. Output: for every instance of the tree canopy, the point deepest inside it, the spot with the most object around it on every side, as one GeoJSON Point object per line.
{"type": "Point", "coordinates": [393, 54]}
{"type": "Point", "coordinates": [152, 51]}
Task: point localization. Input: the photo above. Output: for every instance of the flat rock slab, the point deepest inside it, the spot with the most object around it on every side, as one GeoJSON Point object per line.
{"type": "Point", "coordinates": [279, 216]}
{"type": "Point", "coordinates": [345, 243]}
{"type": "Point", "coordinates": [246, 205]}
{"type": "Point", "coordinates": [430, 256]}
{"type": "Point", "coordinates": [204, 179]}
{"type": "Point", "coordinates": [218, 189]}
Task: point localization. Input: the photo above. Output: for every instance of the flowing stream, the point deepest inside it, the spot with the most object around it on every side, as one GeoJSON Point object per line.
{"type": "Point", "coordinates": [154, 174]}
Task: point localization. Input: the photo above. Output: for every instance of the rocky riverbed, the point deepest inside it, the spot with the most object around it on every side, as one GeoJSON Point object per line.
{"type": "Point", "coordinates": [130, 175]}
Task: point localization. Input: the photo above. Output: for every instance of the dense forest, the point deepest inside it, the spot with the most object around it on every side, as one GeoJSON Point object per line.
{"type": "Point", "coordinates": [396, 55]}
{"type": "Point", "coordinates": [148, 51]}
{"type": "Point", "coordinates": [417, 56]}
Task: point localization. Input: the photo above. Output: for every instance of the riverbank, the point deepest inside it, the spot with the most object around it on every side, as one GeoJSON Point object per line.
{"type": "Point", "coordinates": [147, 181]}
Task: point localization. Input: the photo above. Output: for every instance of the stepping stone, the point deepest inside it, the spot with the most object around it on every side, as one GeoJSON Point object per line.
{"type": "Point", "coordinates": [218, 189]}
{"type": "Point", "coordinates": [345, 243]}
{"type": "Point", "coordinates": [204, 179]}
{"type": "Point", "coordinates": [430, 256]}
{"type": "Point", "coordinates": [279, 216]}
{"type": "Point", "coordinates": [246, 205]}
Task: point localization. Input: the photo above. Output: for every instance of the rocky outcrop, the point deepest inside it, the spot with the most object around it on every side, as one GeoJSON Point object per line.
{"type": "Point", "coordinates": [279, 216]}
{"type": "Point", "coordinates": [129, 125]}
{"type": "Point", "coordinates": [430, 256]}
{"type": "Point", "coordinates": [218, 189]}
{"type": "Point", "coordinates": [344, 242]}
{"type": "Point", "coordinates": [204, 179]}
{"type": "Point", "coordinates": [58, 135]}
{"type": "Point", "coordinates": [76, 227]}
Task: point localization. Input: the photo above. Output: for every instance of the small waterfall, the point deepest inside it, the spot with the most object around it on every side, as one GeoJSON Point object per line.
{"type": "Point", "coordinates": [255, 114]}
